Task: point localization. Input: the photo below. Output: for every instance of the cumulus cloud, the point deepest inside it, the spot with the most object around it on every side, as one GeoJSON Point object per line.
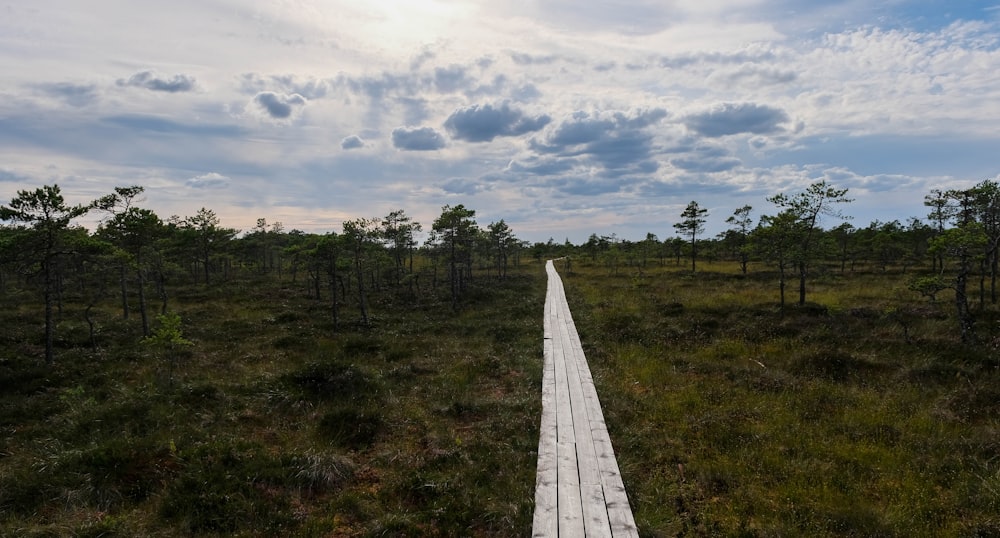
{"type": "Point", "coordinates": [279, 106]}
{"type": "Point", "coordinates": [150, 81]}
{"type": "Point", "coordinates": [737, 118]}
{"type": "Point", "coordinates": [211, 180]}
{"type": "Point", "coordinates": [615, 142]}
{"type": "Point", "coordinates": [352, 142]}
{"type": "Point", "coordinates": [417, 139]}
{"type": "Point", "coordinates": [484, 123]}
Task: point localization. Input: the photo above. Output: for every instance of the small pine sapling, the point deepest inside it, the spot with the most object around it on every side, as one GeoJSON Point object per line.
{"type": "Point", "coordinates": [168, 338]}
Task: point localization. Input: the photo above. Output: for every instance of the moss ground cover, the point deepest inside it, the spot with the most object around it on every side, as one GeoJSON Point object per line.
{"type": "Point", "coordinates": [273, 423]}
{"type": "Point", "coordinates": [731, 419]}
{"type": "Point", "coordinates": [858, 414]}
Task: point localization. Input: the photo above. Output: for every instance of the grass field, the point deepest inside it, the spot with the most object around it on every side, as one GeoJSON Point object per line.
{"type": "Point", "coordinates": [728, 418]}
{"type": "Point", "coordinates": [274, 424]}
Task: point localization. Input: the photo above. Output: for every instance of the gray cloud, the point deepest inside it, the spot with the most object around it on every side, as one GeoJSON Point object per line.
{"type": "Point", "coordinates": [590, 186]}
{"type": "Point", "coordinates": [149, 81]}
{"type": "Point", "coordinates": [420, 59]}
{"type": "Point", "coordinates": [378, 87]}
{"type": "Point", "coordinates": [279, 106]}
{"type": "Point", "coordinates": [415, 109]}
{"type": "Point", "coordinates": [762, 75]}
{"type": "Point", "coordinates": [737, 118]}
{"type": "Point", "coordinates": [682, 61]}
{"type": "Point", "coordinates": [619, 143]}
{"type": "Point", "coordinates": [451, 79]}
{"type": "Point", "coordinates": [496, 87]}
{"type": "Point", "coordinates": [705, 159]}
{"type": "Point", "coordinates": [417, 139]}
{"type": "Point", "coordinates": [521, 58]}
{"type": "Point", "coordinates": [541, 166]}
{"type": "Point", "coordinates": [74, 94]}
{"type": "Point", "coordinates": [352, 142]}
{"type": "Point", "coordinates": [484, 123]}
{"type": "Point", "coordinates": [310, 88]}
{"type": "Point", "coordinates": [143, 122]}
{"type": "Point", "coordinates": [465, 186]}
{"type": "Point", "coordinates": [526, 93]}
{"type": "Point", "coordinates": [707, 165]}
{"type": "Point", "coordinates": [6, 176]}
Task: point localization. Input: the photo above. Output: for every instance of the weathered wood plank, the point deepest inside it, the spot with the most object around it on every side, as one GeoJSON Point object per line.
{"type": "Point", "coordinates": [564, 413]}
{"type": "Point", "coordinates": [546, 516]}
{"type": "Point", "coordinates": [595, 514]}
{"type": "Point", "coordinates": [570, 502]}
{"type": "Point", "coordinates": [578, 487]}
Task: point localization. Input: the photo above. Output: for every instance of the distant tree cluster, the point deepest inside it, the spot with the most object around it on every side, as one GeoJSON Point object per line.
{"type": "Point", "coordinates": [958, 242]}
{"type": "Point", "coordinates": [141, 255]}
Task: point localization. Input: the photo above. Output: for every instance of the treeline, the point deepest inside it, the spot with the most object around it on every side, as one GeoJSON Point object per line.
{"type": "Point", "coordinates": [136, 257]}
{"type": "Point", "coordinates": [954, 247]}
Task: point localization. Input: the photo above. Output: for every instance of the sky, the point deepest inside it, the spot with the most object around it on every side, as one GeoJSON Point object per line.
{"type": "Point", "coordinates": [563, 118]}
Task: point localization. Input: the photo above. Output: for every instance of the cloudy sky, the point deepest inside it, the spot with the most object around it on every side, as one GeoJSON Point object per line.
{"type": "Point", "coordinates": [564, 118]}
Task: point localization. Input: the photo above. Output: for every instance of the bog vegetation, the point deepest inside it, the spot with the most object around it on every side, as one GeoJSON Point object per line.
{"type": "Point", "coordinates": [173, 376]}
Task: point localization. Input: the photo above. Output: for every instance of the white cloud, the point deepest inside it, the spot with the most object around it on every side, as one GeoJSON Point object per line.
{"type": "Point", "coordinates": [211, 180]}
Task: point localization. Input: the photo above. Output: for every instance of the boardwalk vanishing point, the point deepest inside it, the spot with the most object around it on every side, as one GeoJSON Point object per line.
{"type": "Point", "coordinates": [578, 487]}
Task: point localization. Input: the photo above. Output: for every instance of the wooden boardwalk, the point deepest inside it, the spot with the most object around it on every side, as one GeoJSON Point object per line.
{"type": "Point", "coordinates": [578, 487]}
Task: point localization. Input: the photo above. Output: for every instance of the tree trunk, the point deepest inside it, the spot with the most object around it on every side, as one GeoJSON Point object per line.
{"type": "Point", "coordinates": [781, 286]}
{"type": "Point", "coordinates": [993, 275]}
{"type": "Point", "coordinates": [142, 301]}
{"type": "Point", "coordinates": [693, 253]}
{"type": "Point", "coordinates": [335, 307]}
{"type": "Point", "coordinates": [204, 262]}
{"type": "Point", "coordinates": [965, 320]}
{"type": "Point", "coordinates": [982, 284]}
{"type": "Point", "coordinates": [362, 300]}
{"type": "Point", "coordinates": [453, 277]}
{"type": "Point", "coordinates": [90, 326]}
{"type": "Point", "coordinates": [49, 321]}
{"type": "Point", "coordinates": [161, 289]}
{"type": "Point", "coordinates": [802, 283]}
{"type": "Point", "coordinates": [123, 280]}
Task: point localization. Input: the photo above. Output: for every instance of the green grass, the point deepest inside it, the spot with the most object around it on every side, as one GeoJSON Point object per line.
{"type": "Point", "coordinates": [728, 417]}
{"type": "Point", "coordinates": [272, 423]}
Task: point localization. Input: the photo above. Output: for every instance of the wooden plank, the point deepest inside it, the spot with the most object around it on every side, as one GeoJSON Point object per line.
{"type": "Point", "coordinates": [564, 413]}
{"type": "Point", "coordinates": [570, 503]}
{"type": "Point", "coordinates": [578, 489]}
{"type": "Point", "coordinates": [545, 522]}
{"type": "Point", "coordinates": [622, 524]}
{"type": "Point", "coordinates": [586, 455]}
{"type": "Point", "coordinates": [597, 523]}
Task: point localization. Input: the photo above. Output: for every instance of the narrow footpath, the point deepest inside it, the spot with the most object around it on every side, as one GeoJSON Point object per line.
{"type": "Point", "coordinates": [578, 487]}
